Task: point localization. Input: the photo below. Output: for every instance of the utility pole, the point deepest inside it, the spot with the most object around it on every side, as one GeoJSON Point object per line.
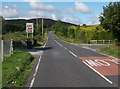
{"type": "Point", "coordinates": [37, 21]}
{"type": "Point", "coordinates": [42, 28]}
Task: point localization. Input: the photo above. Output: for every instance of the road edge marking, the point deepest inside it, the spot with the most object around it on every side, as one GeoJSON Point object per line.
{"type": "Point", "coordinates": [90, 66]}
{"type": "Point", "coordinates": [36, 69]}
{"type": "Point", "coordinates": [87, 48]}
{"type": "Point", "coordinates": [98, 73]}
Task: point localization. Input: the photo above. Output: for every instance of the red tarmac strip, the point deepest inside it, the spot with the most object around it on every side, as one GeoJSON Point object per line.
{"type": "Point", "coordinates": [105, 65]}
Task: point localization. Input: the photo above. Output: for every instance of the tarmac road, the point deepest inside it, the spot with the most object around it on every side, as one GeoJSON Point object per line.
{"type": "Point", "coordinates": [61, 65]}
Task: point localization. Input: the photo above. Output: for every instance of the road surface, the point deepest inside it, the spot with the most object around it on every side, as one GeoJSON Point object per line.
{"type": "Point", "coordinates": [68, 65]}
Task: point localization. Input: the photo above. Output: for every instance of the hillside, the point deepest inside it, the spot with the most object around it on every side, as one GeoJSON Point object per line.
{"type": "Point", "coordinates": [47, 22]}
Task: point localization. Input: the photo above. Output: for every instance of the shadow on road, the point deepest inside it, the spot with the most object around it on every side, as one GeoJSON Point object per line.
{"type": "Point", "coordinates": [43, 48]}
{"type": "Point", "coordinates": [37, 49]}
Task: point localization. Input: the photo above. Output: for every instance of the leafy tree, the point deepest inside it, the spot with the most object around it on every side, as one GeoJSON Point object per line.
{"type": "Point", "coordinates": [84, 25]}
{"type": "Point", "coordinates": [110, 19]}
{"type": "Point", "coordinates": [58, 27]}
{"type": "Point", "coordinates": [72, 31]}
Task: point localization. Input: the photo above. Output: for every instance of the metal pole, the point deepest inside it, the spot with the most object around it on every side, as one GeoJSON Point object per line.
{"type": "Point", "coordinates": [42, 29]}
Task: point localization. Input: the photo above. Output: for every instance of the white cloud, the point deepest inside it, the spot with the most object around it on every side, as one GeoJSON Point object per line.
{"type": "Point", "coordinates": [9, 11]}
{"type": "Point", "coordinates": [69, 10]}
{"type": "Point", "coordinates": [53, 16]}
{"type": "Point", "coordinates": [31, 0]}
{"type": "Point", "coordinates": [82, 7]}
{"type": "Point", "coordinates": [41, 6]}
{"type": "Point", "coordinates": [93, 20]}
{"type": "Point", "coordinates": [72, 19]}
{"type": "Point", "coordinates": [0, 9]}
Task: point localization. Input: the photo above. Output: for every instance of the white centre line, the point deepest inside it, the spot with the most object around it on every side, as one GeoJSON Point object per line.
{"type": "Point", "coordinates": [72, 53]}
{"type": "Point", "coordinates": [89, 66]}
{"type": "Point", "coordinates": [98, 73]}
{"type": "Point", "coordinates": [65, 48]}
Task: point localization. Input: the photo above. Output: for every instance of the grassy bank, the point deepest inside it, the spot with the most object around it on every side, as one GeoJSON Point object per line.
{"type": "Point", "coordinates": [16, 36]}
{"type": "Point", "coordinates": [16, 69]}
{"type": "Point", "coordinates": [111, 50]}
{"type": "Point", "coordinates": [70, 40]}
{"type": "Point", "coordinates": [42, 41]}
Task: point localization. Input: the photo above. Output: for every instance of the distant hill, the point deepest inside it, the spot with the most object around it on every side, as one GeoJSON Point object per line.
{"type": "Point", "coordinates": [47, 22]}
{"type": "Point", "coordinates": [20, 24]}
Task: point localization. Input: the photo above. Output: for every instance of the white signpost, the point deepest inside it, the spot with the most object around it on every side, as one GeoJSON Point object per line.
{"type": "Point", "coordinates": [29, 29]}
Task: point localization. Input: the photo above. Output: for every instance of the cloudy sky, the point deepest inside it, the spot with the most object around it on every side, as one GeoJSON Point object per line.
{"type": "Point", "coordinates": [74, 12]}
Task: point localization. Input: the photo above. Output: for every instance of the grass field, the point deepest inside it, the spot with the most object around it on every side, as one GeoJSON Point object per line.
{"type": "Point", "coordinates": [75, 41]}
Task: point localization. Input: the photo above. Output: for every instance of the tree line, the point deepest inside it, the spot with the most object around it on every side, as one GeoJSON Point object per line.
{"type": "Point", "coordinates": [82, 33]}
{"type": "Point", "coordinates": [109, 28]}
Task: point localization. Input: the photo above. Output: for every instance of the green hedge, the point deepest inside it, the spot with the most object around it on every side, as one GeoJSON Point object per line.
{"type": "Point", "coordinates": [14, 66]}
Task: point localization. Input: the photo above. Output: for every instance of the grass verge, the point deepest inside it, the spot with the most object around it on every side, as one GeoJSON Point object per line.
{"type": "Point", "coordinates": [42, 41]}
{"type": "Point", "coordinates": [66, 39]}
{"type": "Point", "coordinates": [112, 50]}
{"type": "Point", "coordinates": [16, 69]}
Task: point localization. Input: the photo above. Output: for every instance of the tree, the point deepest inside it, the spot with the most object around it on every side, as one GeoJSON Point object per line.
{"type": "Point", "coordinates": [110, 19]}
{"type": "Point", "coordinates": [72, 32]}
{"type": "Point", "coordinates": [59, 27]}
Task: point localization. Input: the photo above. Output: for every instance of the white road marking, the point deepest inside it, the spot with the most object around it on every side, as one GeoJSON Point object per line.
{"type": "Point", "coordinates": [89, 65]}
{"type": "Point", "coordinates": [88, 48]}
{"type": "Point", "coordinates": [65, 48]}
{"type": "Point", "coordinates": [58, 43]}
{"type": "Point", "coordinates": [98, 73]}
{"type": "Point", "coordinates": [31, 84]}
{"type": "Point", "coordinates": [36, 69]}
{"type": "Point", "coordinates": [97, 62]}
{"type": "Point", "coordinates": [73, 54]}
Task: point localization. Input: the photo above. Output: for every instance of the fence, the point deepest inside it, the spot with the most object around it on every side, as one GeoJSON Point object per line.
{"type": "Point", "coordinates": [6, 48]}
{"type": "Point", "coordinates": [101, 41]}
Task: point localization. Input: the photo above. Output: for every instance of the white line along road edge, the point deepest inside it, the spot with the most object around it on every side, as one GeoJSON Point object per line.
{"type": "Point", "coordinates": [33, 79]}
{"type": "Point", "coordinates": [90, 66]}
{"type": "Point", "coordinates": [98, 73]}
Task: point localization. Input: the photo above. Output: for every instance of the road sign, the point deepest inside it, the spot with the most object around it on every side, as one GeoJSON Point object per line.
{"type": "Point", "coordinates": [29, 28]}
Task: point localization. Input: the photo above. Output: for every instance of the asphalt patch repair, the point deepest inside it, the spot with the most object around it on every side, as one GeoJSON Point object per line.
{"type": "Point", "coordinates": [107, 66]}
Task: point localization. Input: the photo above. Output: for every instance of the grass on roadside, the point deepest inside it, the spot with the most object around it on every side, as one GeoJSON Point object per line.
{"type": "Point", "coordinates": [16, 36]}
{"type": "Point", "coordinates": [75, 41]}
{"type": "Point", "coordinates": [41, 42]}
{"type": "Point", "coordinates": [111, 50]}
{"type": "Point", "coordinates": [16, 69]}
